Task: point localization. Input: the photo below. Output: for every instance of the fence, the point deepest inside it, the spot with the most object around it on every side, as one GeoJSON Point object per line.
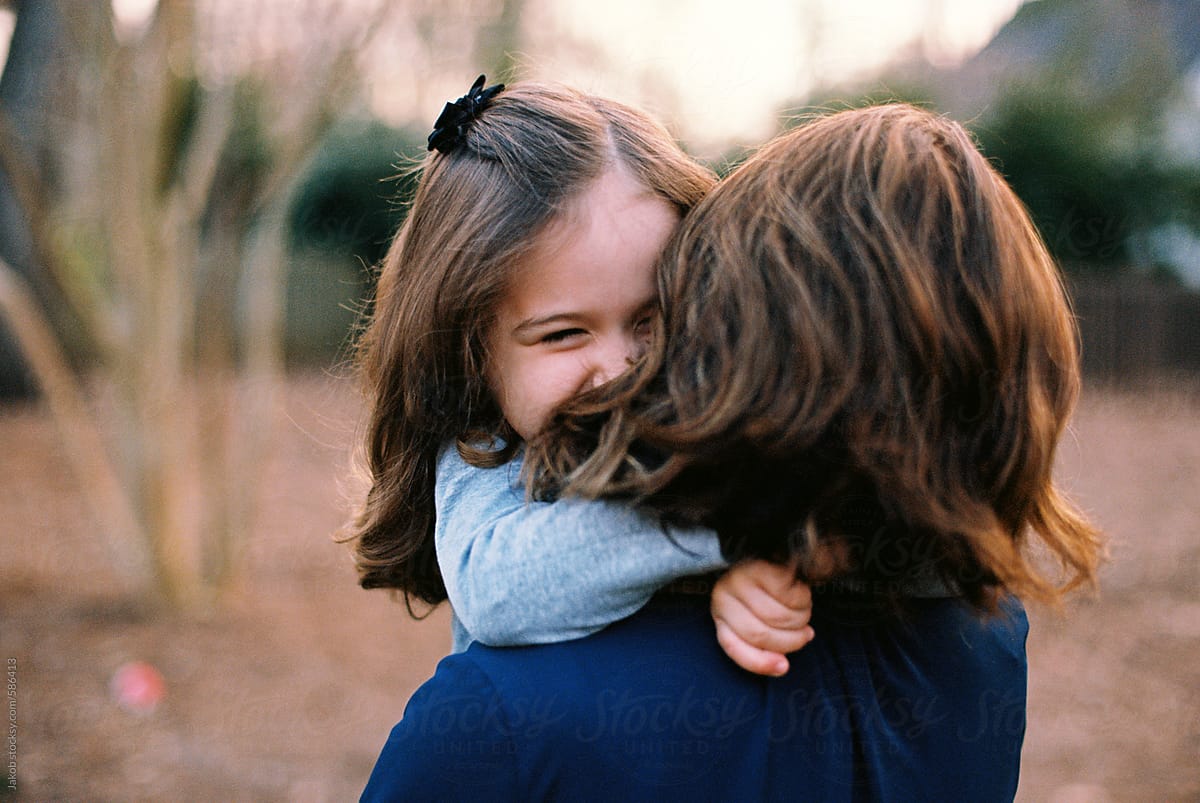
{"type": "Point", "coordinates": [1134, 330]}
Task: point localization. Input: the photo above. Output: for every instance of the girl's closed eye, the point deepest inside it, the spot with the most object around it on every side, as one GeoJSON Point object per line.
{"type": "Point", "coordinates": [562, 335]}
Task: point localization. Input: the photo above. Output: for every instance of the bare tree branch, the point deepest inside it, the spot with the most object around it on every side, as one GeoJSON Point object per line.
{"type": "Point", "coordinates": [204, 153]}
{"type": "Point", "coordinates": [88, 306]}
{"type": "Point", "coordinates": [320, 108]}
{"type": "Point", "coordinates": [81, 440]}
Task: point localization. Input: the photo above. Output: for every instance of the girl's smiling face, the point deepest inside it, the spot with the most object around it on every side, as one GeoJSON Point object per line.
{"type": "Point", "coordinates": [581, 305]}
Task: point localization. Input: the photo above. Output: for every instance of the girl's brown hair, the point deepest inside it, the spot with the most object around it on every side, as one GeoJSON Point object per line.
{"type": "Point", "coordinates": [867, 349]}
{"type": "Point", "coordinates": [476, 212]}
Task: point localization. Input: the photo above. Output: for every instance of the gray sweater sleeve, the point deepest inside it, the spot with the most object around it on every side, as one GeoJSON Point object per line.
{"type": "Point", "coordinates": [521, 572]}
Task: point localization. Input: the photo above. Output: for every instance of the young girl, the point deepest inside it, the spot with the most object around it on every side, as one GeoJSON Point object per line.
{"type": "Point", "coordinates": [524, 274]}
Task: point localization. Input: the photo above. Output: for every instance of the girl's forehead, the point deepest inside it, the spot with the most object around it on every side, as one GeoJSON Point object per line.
{"type": "Point", "coordinates": [609, 248]}
{"type": "Point", "coordinates": [602, 208]}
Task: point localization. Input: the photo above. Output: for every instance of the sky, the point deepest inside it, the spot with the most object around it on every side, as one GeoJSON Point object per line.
{"type": "Point", "coordinates": [731, 64]}
{"type": "Point", "coordinates": [720, 70]}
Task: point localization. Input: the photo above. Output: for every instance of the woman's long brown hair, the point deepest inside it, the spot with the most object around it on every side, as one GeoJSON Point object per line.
{"type": "Point", "coordinates": [868, 354]}
{"type": "Point", "coordinates": [476, 211]}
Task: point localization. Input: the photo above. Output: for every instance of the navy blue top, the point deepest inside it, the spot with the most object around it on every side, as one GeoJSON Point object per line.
{"type": "Point", "coordinates": [928, 708]}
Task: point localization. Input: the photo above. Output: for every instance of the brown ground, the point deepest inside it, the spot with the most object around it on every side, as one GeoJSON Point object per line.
{"type": "Point", "coordinates": [289, 690]}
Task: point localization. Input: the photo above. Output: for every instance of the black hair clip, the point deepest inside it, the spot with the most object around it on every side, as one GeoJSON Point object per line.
{"type": "Point", "coordinates": [451, 124]}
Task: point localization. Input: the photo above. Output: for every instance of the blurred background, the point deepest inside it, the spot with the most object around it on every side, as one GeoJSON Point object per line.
{"type": "Point", "coordinates": [192, 197]}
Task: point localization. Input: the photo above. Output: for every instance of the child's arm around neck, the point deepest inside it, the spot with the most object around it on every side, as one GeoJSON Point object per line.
{"type": "Point", "coordinates": [521, 572]}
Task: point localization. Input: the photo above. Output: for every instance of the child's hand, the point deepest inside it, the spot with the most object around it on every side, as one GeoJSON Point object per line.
{"type": "Point", "coordinates": [761, 611]}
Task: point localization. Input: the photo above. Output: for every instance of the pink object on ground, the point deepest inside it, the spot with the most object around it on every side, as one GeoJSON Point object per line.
{"type": "Point", "coordinates": [138, 687]}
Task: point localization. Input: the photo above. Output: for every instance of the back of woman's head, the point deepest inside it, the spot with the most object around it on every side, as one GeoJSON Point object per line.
{"type": "Point", "coordinates": [477, 210]}
{"type": "Point", "coordinates": [866, 345]}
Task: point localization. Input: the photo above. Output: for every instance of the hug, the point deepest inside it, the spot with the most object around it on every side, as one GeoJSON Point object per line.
{"type": "Point", "coordinates": [733, 487]}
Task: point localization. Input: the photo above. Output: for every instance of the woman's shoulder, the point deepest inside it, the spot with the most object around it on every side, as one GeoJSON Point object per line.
{"type": "Point", "coordinates": [921, 709]}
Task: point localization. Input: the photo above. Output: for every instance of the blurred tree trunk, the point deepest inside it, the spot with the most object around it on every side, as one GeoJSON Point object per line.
{"type": "Point", "coordinates": [174, 266]}
{"type": "Point", "coordinates": [101, 487]}
{"type": "Point", "coordinates": [22, 109]}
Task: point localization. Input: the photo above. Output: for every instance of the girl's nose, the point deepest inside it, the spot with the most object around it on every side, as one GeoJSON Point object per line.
{"type": "Point", "coordinates": [615, 358]}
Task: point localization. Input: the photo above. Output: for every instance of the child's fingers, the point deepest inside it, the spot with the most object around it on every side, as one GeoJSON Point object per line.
{"type": "Point", "coordinates": [777, 580]}
{"type": "Point", "coordinates": [751, 628]}
{"type": "Point", "coordinates": [768, 609]}
{"type": "Point", "coordinates": [794, 594]}
{"type": "Point", "coordinates": [749, 657]}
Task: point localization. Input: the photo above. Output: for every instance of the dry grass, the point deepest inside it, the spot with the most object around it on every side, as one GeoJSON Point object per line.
{"type": "Point", "coordinates": [288, 691]}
